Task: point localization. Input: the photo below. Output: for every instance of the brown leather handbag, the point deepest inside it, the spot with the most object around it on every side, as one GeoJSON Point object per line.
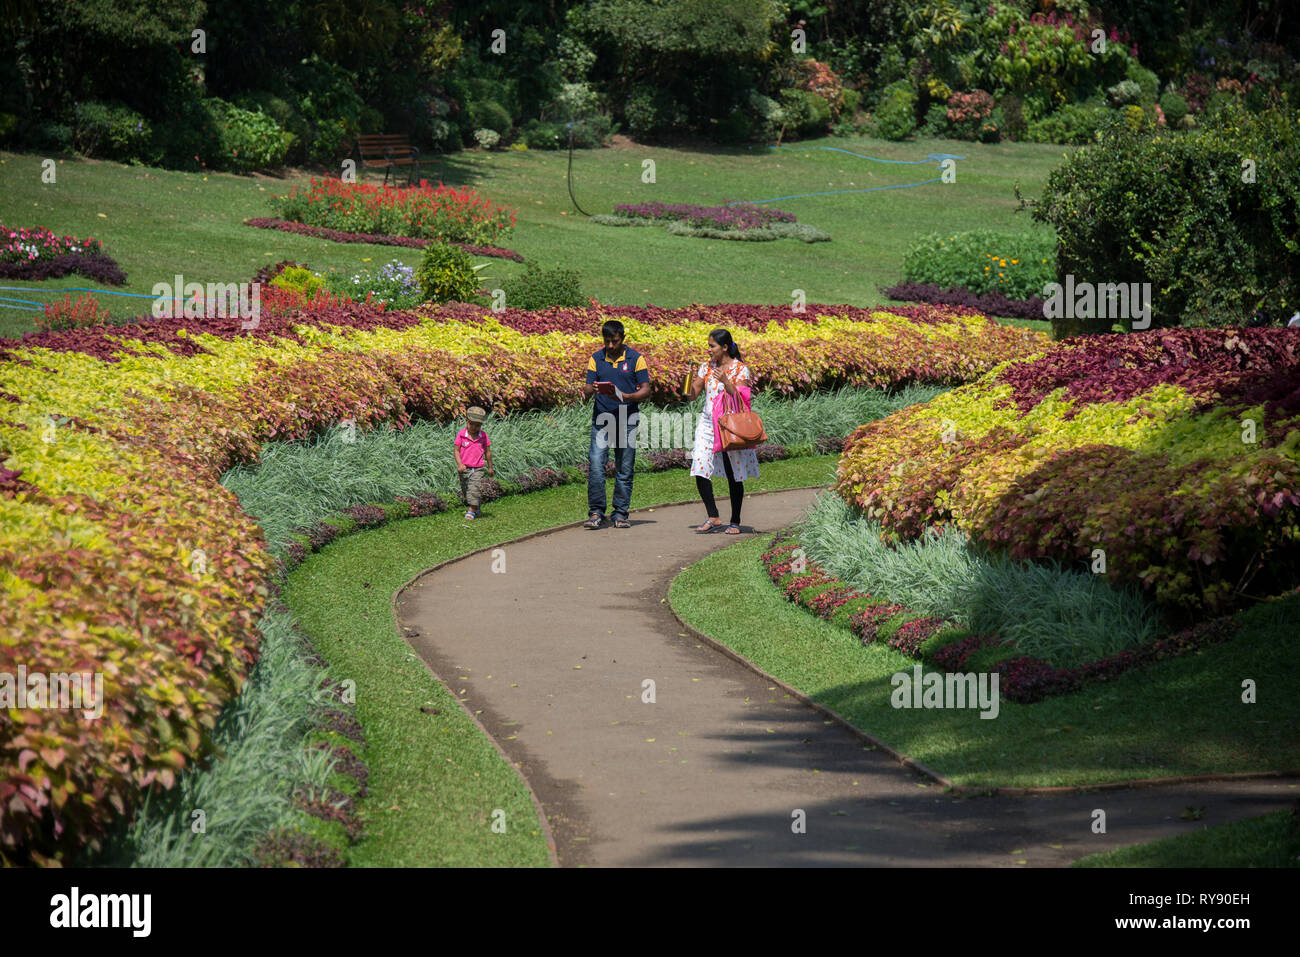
{"type": "Point", "coordinates": [741, 429]}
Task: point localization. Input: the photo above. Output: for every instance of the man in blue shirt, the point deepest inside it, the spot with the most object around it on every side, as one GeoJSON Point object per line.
{"type": "Point", "coordinates": [614, 420]}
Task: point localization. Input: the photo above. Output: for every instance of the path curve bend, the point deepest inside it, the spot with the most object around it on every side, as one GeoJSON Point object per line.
{"type": "Point", "coordinates": [549, 641]}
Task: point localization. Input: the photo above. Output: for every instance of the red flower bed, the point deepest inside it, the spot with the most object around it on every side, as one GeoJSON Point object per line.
{"type": "Point", "coordinates": [374, 239]}
{"type": "Point", "coordinates": [424, 212]}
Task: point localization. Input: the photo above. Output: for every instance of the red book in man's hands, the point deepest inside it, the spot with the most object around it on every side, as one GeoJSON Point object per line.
{"type": "Point", "coordinates": [605, 388]}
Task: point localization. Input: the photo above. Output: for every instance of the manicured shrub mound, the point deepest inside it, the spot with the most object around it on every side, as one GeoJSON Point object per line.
{"type": "Point", "coordinates": [1174, 453]}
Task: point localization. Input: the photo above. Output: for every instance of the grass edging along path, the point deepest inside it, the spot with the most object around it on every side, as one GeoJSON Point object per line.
{"type": "Point", "coordinates": [435, 778]}
{"type": "Point", "coordinates": [1174, 719]}
{"type": "Point", "coordinates": [1272, 840]}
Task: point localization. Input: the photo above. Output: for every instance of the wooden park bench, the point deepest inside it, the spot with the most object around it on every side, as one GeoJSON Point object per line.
{"type": "Point", "coordinates": [388, 150]}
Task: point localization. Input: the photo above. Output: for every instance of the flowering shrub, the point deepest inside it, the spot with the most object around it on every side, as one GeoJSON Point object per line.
{"type": "Point", "coordinates": [84, 313]}
{"type": "Point", "coordinates": [1051, 54]}
{"type": "Point", "coordinates": [25, 245]}
{"type": "Point", "coordinates": [408, 242]}
{"type": "Point", "coordinates": [967, 113]}
{"type": "Point", "coordinates": [819, 78]}
{"type": "Point", "coordinates": [741, 216]}
{"type": "Point", "coordinates": [1175, 452]}
{"type": "Point", "coordinates": [393, 285]}
{"type": "Point", "coordinates": [1017, 265]}
{"type": "Point", "coordinates": [443, 213]}
{"type": "Point", "coordinates": [36, 253]}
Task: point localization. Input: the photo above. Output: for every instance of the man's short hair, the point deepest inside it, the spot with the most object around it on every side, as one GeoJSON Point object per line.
{"type": "Point", "coordinates": [613, 329]}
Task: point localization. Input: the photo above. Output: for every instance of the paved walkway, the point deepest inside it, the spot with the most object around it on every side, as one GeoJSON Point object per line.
{"type": "Point", "coordinates": [553, 653]}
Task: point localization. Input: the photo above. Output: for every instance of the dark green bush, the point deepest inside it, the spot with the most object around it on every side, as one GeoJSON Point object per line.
{"type": "Point", "coordinates": [1014, 126]}
{"type": "Point", "coordinates": [1148, 83]}
{"type": "Point", "coordinates": [540, 135]}
{"type": "Point", "coordinates": [895, 115]}
{"type": "Point", "coordinates": [54, 136]}
{"type": "Point", "coordinates": [806, 113]}
{"type": "Point", "coordinates": [326, 97]}
{"type": "Point", "coordinates": [1174, 108]}
{"type": "Point", "coordinates": [446, 274]}
{"type": "Point", "coordinates": [297, 132]}
{"type": "Point", "coordinates": [736, 127]}
{"type": "Point", "coordinates": [1071, 124]}
{"type": "Point", "coordinates": [1172, 209]}
{"type": "Point", "coordinates": [936, 120]}
{"type": "Point", "coordinates": [248, 140]}
{"type": "Point", "coordinates": [113, 131]}
{"type": "Point", "coordinates": [489, 114]}
{"type": "Point", "coordinates": [640, 112]}
{"type": "Point", "coordinates": [537, 288]}
{"type": "Point", "coordinates": [852, 100]}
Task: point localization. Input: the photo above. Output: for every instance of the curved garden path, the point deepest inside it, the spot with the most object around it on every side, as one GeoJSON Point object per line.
{"type": "Point", "coordinates": [551, 655]}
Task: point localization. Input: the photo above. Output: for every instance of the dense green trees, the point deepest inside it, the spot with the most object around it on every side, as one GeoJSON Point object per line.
{"type": "Point", "coordinates": [179, 81]}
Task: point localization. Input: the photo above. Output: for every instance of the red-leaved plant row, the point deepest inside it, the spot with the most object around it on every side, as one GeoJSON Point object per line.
{"type": "Point", "coordinates": [442, 384]}
{"type": "Point", "coordinates": [1200, 515]}
{"type": "Point", "coordinates": [1023, 678]}
{"type": "Point", "coordinates": [374, 239]}
{"type": "Point", "coordinates": [987, 304]}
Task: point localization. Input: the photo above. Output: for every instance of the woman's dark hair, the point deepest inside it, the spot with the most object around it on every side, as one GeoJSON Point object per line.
{"type": "Point", "coordinates": [723, 338]}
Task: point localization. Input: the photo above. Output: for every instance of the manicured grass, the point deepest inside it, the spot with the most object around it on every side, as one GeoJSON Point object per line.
{"type": "Point", "coordinates": [1272, 840]}
{"type": "Point", "coordinates": [435, 779]}
{"type": "Point", "coordinates": [1181, 716]}
{"type": "Point", "coordinates": [157, 223]}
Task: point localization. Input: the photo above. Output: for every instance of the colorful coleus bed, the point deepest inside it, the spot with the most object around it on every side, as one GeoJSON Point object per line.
{"type": "Point", "coordinates": [122, 555]}
{"type": "Point", "coordinates": [374, 239]}
{"type": "Point", "coordinates": [1169, 459]}
{"type": "Point", "coordinates": [37, 254]}
{"type": "Point", "coordinates": [1024, 679]}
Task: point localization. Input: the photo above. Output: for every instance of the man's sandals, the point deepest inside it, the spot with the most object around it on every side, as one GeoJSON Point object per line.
{"type": "Point", "coordinates": [594, 520]}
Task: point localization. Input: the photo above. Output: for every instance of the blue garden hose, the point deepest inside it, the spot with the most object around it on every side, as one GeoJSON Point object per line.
{"type": "Point", "coordinates": [35, 306]}
{"type": "Point", "coordinates": [930, 158]}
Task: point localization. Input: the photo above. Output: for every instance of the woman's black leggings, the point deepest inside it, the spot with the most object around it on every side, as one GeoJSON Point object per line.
{"type": "Point", "coordinates": [737, 489]}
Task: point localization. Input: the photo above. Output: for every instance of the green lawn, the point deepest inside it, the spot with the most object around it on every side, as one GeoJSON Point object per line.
{"type": "Point", "coordinates": [1181, 716]}
{"type": "Point", "coordinates": [158, 223]}
{"type": "Point", "coordinates": [1272, 840]}
{"type": "Point", "coordinates": [435, 779]}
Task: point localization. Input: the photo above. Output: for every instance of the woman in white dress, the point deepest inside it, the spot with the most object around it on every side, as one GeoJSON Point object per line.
{"type": "Point", "coordinates": [726, 383]}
